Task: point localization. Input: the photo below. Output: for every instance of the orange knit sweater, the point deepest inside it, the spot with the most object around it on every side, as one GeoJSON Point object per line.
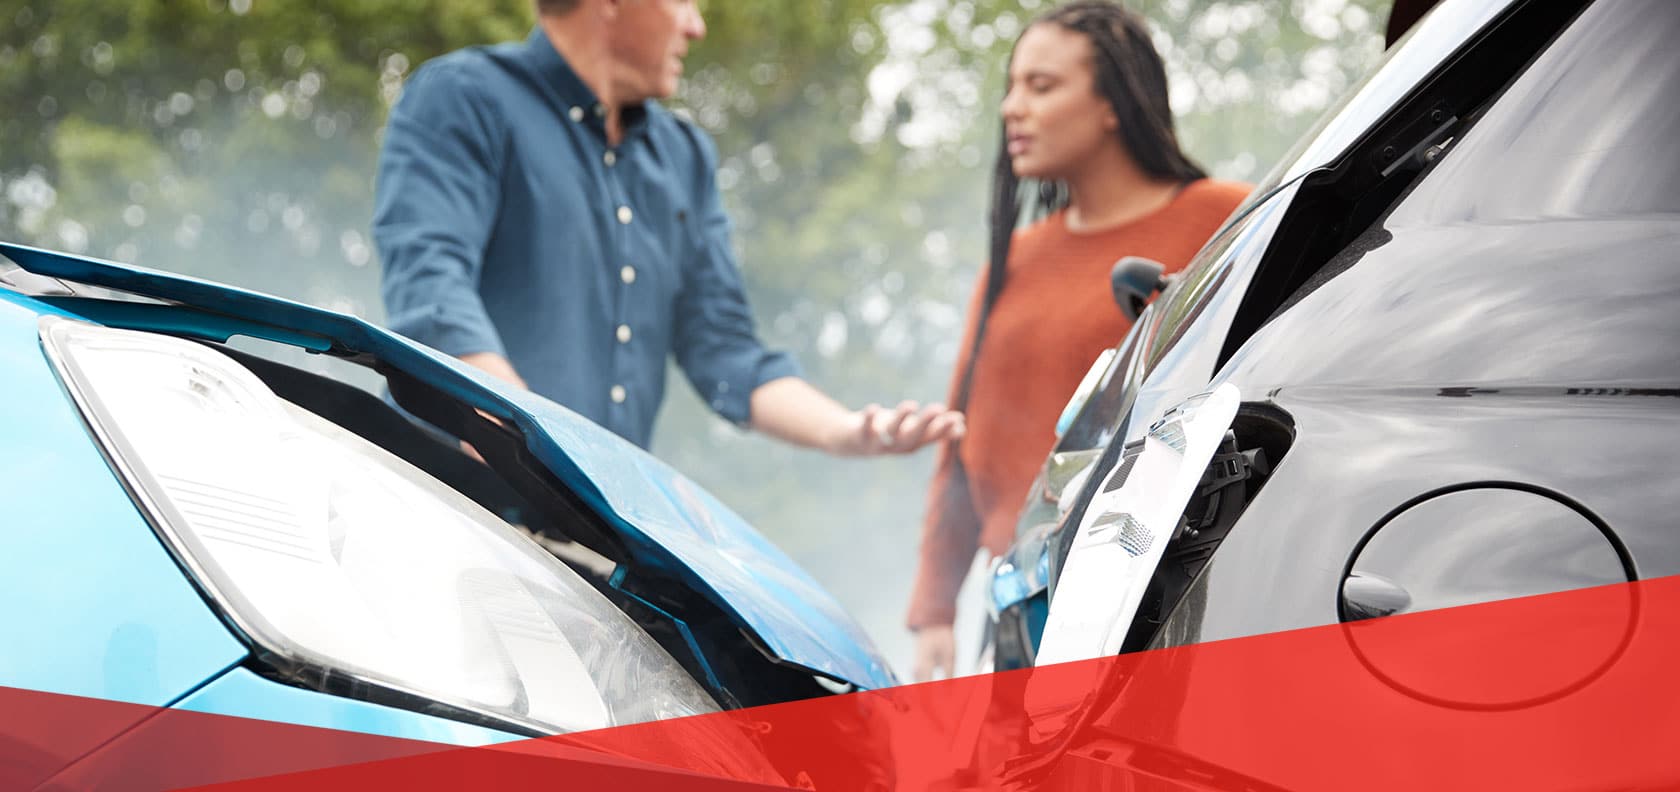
{"type": "Point", "coordinates": [1055, 315]}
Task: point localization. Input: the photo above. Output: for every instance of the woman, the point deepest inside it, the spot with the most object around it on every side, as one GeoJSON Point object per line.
{"type": "Point", "coordinates": [1088, 130]}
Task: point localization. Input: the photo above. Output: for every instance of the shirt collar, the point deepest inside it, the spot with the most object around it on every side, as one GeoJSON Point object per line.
{"type": "Point", "coordinates": [577, 97]}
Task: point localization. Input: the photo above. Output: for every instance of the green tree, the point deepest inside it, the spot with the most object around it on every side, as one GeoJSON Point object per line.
{"type": "Point", "coordinates": [227, 138]}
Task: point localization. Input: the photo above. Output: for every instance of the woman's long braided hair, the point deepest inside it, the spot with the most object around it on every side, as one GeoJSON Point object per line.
{"type": "Point", "coordinates": [1130, 75]}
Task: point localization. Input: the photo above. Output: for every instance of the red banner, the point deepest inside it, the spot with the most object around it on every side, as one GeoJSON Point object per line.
{"type": "Point", "coordinates": [1576, 690]}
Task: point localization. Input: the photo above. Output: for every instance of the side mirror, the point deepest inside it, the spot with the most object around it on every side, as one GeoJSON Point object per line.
{"type": "Point", "coordinates": [1135, 279]}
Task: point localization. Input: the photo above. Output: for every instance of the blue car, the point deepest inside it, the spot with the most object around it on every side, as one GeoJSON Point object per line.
{"type": "Point", "coordinates": [194, 521]}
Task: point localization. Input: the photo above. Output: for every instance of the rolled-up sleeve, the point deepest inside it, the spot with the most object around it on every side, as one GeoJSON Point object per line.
{"type": "Point", "coordinates": [435, 204]}
{"type": "Point", "coordinates": [714, 339]}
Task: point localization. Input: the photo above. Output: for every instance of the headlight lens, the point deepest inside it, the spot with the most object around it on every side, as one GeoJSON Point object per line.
{"type": "Point", "coordinates": [338, 559]}
{"type": "Point", "coordinates": [1064, 474]}
{"type": "Point", "coordinates": [1021, 572]}
{"type": "Point", "coordinates": [1126, 528]}
{"type": "Point", "coordinates": [1100, 372]}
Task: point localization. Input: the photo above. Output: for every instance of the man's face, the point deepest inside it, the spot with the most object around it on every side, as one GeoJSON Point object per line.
{"type": "Point", "coordinates": [649, 41]}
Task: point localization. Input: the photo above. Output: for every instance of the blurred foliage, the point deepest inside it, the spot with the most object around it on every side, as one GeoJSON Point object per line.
{"type": "Point", "coordinates": [214, 137]}
{"type": "Point", "coordinates": [235, 140]}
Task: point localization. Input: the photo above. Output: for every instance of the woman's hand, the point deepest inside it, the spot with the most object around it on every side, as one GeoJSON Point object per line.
{"type": "Point", "coordinates": [936, 651]}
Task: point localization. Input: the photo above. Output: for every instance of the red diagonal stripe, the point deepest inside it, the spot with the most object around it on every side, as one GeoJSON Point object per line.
{"type": "Point", "coordinates": [1565, 691]}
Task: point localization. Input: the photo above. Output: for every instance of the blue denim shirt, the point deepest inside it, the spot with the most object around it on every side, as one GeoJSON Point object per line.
{"type": "Point", "coordinates": [506, 223]}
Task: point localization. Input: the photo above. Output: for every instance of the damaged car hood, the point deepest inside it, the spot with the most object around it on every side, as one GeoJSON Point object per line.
{"type": "Point", "coordinates": [667, 523]}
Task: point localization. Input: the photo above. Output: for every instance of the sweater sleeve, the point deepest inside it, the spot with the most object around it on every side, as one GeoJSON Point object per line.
{"type": "Point", "coordinates": [951, 526]}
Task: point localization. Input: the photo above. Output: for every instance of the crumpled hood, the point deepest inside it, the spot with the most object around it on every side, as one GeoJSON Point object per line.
{"type": "Point", "coordinates": [667, 522]}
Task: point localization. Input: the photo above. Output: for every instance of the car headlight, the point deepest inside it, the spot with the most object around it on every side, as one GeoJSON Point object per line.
{"type": "Point", "coordinates": [1100, 372]}
{"type": "Point", "coordinates": [1021, 572]}
{"type": "Point", "coordinates": [1024, 570]}
{"type": "Point", "coordinates": [1125, 530]}
{"type": "Point", "coordinates": [341, 563]}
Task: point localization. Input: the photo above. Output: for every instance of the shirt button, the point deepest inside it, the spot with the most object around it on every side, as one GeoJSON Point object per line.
{"type": "Point", "coordinates": [624, 334]}
{"type": "Point", "coordinates": [624, 215]}
{"type": "Point", "coordinates": [600, 110]}
{"type": "Point", "coordinates": [627, 274]}
{"type": "Point", "coordinates": [619, 394]}
{"type": "Point", "coordinates": [610, 158]}
{"type": "Point", "coordinates": [576, 113]}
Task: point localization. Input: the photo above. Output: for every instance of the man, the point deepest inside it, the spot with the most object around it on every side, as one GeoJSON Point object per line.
{"type": "Point", "coordinates": [540, 217]}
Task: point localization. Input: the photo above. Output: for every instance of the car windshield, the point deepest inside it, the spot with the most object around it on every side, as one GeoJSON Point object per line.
{"type": "Point", "coordinates": [1588, 132]}
{"type": "Point", "coordinates": [1446, 28]}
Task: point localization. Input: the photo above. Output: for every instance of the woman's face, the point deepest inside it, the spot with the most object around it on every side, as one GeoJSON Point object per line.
{"type": "Point", "coordinates": [1054, 119]}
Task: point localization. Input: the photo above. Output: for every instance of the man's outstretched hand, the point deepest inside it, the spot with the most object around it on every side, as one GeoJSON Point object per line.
{"type": "Point", "coordinates": [791, 410]}
{"type": "Point", "coordinates": [902, 429]}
